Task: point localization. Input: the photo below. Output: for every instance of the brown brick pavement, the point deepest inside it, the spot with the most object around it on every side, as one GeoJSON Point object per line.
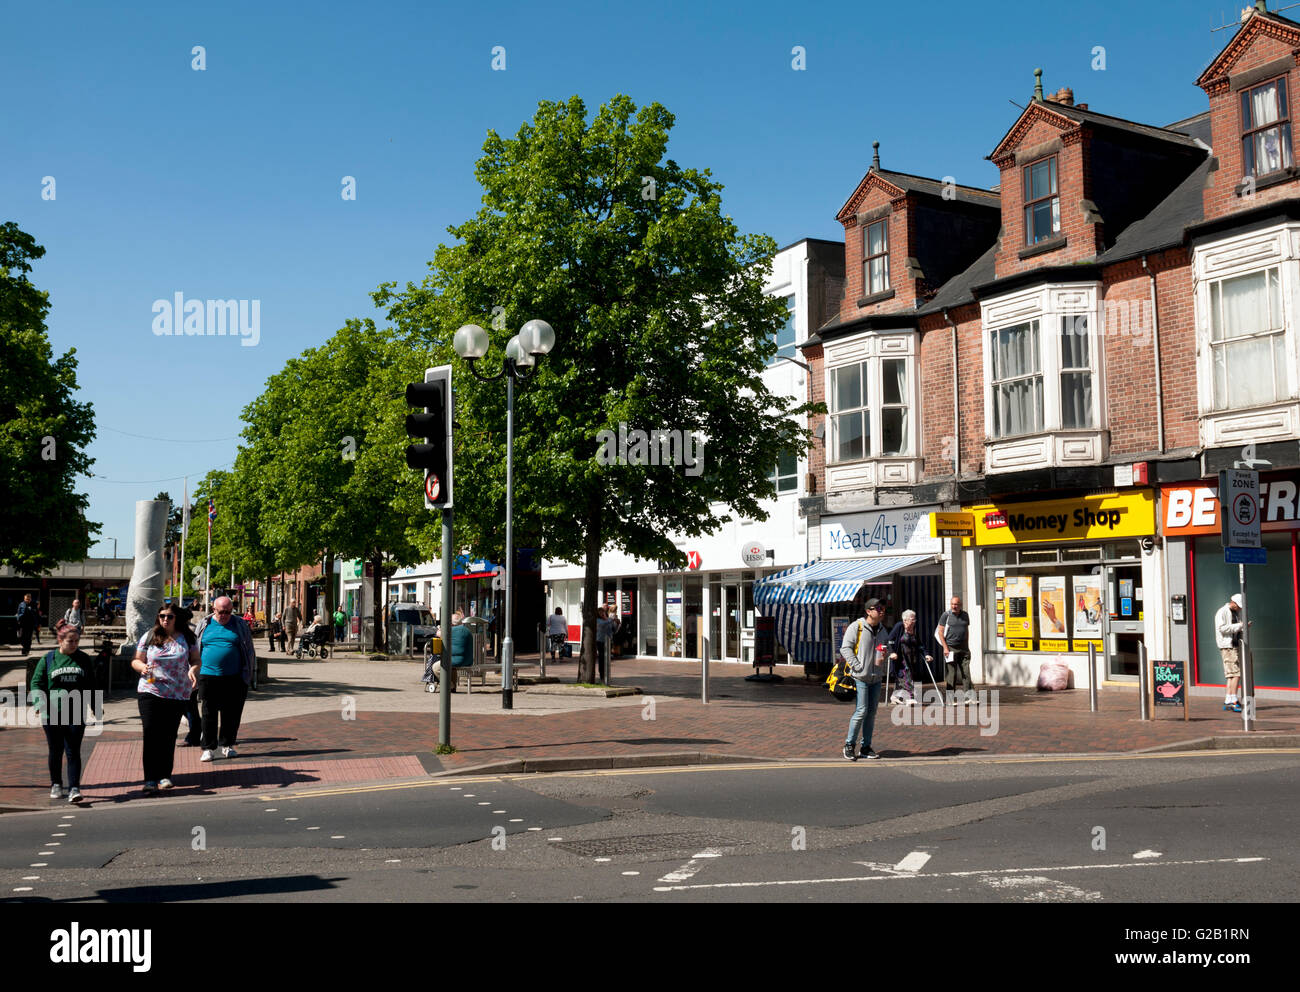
{"type": "Point", "coordinates": [794, 719]}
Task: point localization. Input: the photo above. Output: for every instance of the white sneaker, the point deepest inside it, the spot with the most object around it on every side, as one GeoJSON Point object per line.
{"type": "Point", "coordinates": [74, 795]}
{"type": "Point", "coordinates": [911, 701]}
{"type": "Point", "coordinates": [228, 752]}
{"type": "Point", "coordinates": [164, 783]}
{"type": "Point", "coordinates": [56, 792]}
{"type": "Point", "coordinates": [205, 756]}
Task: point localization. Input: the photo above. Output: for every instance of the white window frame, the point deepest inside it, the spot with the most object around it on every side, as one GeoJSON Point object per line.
{"type": "Point", "coordinates": [1054, 445]}
{"type": "Point", "coordinates": [869, 351]}
{"type": "Point", "coordinates": [1243, 255]}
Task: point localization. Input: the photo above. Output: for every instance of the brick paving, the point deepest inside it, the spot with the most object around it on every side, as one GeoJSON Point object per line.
{"type": "Point", "coordinates": [795, 719]}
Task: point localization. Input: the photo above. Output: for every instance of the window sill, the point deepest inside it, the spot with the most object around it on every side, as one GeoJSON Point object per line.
{"type": "Point", "coordinates": [866, 301]}
{"type": "Point", "coordinates": [1268, 179]}
{"type": "Point", "coordinates": [1242, 425]}
{"type": "Point", "coordinates": [1042, 248]}
{"type": "Point", "coordinates": [1050, 449]}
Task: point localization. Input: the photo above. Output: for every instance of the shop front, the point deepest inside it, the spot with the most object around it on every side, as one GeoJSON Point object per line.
{"type": "Point", "coordinates": [887, 554]}
{"type": "Point", "coordinates": [1200, 582]}
{"type": "Point", "coordinates": [1055, 576]}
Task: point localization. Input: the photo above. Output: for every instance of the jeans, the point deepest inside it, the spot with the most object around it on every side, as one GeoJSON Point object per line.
{"type": "Point", "coordinates": [160, 718]}
{"type": "Point", "coordinates": [957, 662]}
{"type": "Point", "coordinates": [865, 714]}
{"type": "Point", "coordinates": [222, 699]}
{"type": "Point", "coordinates": [64, 739]}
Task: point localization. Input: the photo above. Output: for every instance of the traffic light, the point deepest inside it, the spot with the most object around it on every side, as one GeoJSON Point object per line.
{"type": "Point", "coordinates": [435, 426]}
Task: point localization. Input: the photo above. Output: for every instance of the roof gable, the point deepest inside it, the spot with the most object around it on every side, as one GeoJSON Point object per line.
{"type": "Point", "coordinates": [1047, 113]}
{"type": "Point", "coordinates": [1260, 23]}
{"type": "Point", "coordinates": [872, 180]}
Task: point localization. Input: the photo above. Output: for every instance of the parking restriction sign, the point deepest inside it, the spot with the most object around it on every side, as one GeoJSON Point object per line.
{"type": "Point", "coordinates": [1239, 512]}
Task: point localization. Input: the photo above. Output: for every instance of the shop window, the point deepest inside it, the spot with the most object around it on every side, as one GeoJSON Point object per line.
{"type": "Point", "coordinates": [1272, 604]}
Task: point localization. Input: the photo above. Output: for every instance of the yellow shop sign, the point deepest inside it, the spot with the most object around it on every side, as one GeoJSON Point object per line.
{"type": "Point", "coordinates": [1085, 518]}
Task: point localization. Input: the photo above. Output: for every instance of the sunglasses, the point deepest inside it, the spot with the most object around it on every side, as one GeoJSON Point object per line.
{"type": "Point", "coordinates": [166, 616]}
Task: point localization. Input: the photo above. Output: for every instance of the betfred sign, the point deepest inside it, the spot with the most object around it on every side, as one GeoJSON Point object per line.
{"type": "Point", "coordinates": [1193, 508]}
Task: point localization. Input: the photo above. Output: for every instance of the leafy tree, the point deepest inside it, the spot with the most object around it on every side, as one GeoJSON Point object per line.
{"type": "Point", "coordinates": [325, 441]}
{"type": "Point", "coordinates": [661, 324]}
{"type": "Point", "coordinates": [44, 431]}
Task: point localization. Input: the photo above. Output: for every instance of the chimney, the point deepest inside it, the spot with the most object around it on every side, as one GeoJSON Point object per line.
{"type": "Point", "coordinates": [1063, 96]}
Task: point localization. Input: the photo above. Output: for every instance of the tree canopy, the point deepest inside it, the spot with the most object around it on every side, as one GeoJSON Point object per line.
{"type": "Point", "coordinates": [44, 431]}
{"type": "Point", "coordinates": [661, 324]}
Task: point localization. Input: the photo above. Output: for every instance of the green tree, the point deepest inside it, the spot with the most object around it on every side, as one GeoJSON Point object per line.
{"type": "Point", "coordinates": [324, 442]}
{"type": "Point", "coordinates": [661, 323]}
{"type": "Point", "coordinates": [44, 431]}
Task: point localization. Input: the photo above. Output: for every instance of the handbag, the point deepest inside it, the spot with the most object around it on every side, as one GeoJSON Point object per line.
{"type": "Point", "coordinates": [840, 682]}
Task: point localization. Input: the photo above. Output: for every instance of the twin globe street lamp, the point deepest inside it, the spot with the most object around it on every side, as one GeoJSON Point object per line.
{"type": "Point", "coordinates": [534, 340]}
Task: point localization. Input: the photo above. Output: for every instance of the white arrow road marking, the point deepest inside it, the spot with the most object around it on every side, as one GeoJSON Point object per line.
{"type": "Point", "coordinates": [913, 862]}
{"type": "Point", "coordinates": [689, 869]}
{"type": "Point", "coordinates": [1148, 854]}
{"type": "Point", "coordinates": [956, 874]}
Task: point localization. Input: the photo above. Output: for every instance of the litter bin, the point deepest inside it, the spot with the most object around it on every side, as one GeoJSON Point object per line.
{"type": "Point", "coordinates": [478, 628]}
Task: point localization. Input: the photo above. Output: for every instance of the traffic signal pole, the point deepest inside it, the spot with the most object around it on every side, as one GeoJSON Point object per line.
{"type": "Point", "coordinates": [444, 629]}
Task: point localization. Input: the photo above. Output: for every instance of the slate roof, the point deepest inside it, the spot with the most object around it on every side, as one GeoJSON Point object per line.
{"type": "Point", "coordinates": [1164, 226]}
{"type": "Point", "coordinates": [935, 187]}
{"type": "Point", "coordinates": [957, 290]}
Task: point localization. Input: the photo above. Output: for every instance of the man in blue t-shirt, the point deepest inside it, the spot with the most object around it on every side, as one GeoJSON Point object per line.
{"type": "Point", "coordinates": [226, 662]}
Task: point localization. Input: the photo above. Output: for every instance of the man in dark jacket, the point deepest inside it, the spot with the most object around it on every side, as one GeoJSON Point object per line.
{"type": "Point", "coordinates": [29, 618]}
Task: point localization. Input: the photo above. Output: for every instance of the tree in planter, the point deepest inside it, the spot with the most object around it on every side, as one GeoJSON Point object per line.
{"type": "Point", "coordinates": [44, 431]}
{"type": "Point", "coordinates": [661, 324]}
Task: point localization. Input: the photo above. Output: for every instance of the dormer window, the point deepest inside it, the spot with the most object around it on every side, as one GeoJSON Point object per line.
{"type": "Point", "coordinates": [875, 257]}
{"type": "Point", "coordinates": [1265, 129]}
{"type": "Point", "coordinates": [1042, 202]}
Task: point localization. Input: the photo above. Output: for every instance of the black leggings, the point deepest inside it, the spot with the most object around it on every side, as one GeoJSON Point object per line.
{"type": "Point", "coordinates": [64, 740]}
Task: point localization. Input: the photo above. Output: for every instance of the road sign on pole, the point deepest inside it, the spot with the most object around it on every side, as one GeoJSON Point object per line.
{"type": "Point", "coordinates": [1239, 523]}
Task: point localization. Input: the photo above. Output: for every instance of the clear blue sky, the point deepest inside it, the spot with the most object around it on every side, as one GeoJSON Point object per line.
{"type": "Point", "coordinates": [225, 183]}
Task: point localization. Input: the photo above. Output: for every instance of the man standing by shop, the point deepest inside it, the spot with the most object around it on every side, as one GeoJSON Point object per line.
{"type": "Point", "coordinates": [1227, 635]}
{"type": "Point", "coordinates": [225, 669]}
{"type": "Point", "coordinates": [865, 642]}
{"type": "Point", "coordinates": [953, 635]}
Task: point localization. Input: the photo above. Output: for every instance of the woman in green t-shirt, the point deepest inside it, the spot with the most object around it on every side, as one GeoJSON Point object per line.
{"type": "Point", "coordinates": [61, 690]}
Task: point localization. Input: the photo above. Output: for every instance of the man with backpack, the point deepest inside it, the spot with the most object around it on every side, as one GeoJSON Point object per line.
{"type": "Point", "coordinates": [865, 644]}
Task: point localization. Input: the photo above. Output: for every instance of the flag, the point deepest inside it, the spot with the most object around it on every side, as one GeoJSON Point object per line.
{"type": "Point", "coordinates": [212, 513]}
{"type": "Point", "coordinates": [185, 515]}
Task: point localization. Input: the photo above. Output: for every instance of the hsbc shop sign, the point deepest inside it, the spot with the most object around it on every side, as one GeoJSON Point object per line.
{"type": "Point", "coordinates": [1193, 507]}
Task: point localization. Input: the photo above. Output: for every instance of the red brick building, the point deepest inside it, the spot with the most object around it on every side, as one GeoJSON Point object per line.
{"type": "Point", "coordinates": [1071, 357]}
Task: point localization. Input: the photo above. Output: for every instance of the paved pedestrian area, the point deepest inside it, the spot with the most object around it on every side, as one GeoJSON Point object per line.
{"type": "Point", "coordinates": [349, 720]}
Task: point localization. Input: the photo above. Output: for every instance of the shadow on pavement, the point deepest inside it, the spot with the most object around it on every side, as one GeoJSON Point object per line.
{"type": "Point", "coordinates": [190, 892]}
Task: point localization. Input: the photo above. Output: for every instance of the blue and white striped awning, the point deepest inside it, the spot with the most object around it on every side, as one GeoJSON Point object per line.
{"type": "Point", "coordinates": [795, 598]}
{"type": "Point", "coordinates": [829, 581]}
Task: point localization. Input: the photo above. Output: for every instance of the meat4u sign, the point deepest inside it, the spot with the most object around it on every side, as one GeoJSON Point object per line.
{"type": "Point", "coordinates": [1193, 508]}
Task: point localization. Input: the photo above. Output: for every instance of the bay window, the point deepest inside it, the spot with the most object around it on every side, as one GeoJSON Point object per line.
{"type": "Point", "coordinates": [1017, 380]}
{"type": "Point", "coordinates": [1247, 340]}
{"type": "Point", "coordinates": [872, 399]}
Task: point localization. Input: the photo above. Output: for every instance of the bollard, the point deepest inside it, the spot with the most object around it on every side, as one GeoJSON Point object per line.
{"type": "Point", "coordinates": [609, 660]}
{"type": "Point", "coordinates": [1092, 676]}
{"type": "Point", "coordinates": [1144, 700]}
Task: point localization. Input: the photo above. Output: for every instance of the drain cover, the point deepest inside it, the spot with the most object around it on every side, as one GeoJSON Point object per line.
{"type": "Point", "coordinates": [644, 844]}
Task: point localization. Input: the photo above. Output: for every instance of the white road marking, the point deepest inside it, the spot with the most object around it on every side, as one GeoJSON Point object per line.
{"type": "Point", "coordinates": [338, 836]}
{"type": "Point", "coordinates": [913, 862]}
{"type": "Point", "coordinates": [271, 809]}
{"type": "Point", "coordinates": [497, 810]}
{"type": "Point", "coordinates": [313, 828]}
{"type": "Point", "coordinates": [689, 869]}
{"type": "Point", "coordinates": [554, 838]}
{"type": "Point", "coordinates": [536, 830]}
{"type": "Point", "coordinates": [53, 843]}
{"type": "Point", "coordinates": [23, 888]}
{"type": "Point", "coordinates": [520, 819]}
{"type": "Point", "coordinates": [43, 854]}
{"type": "Point", "coordinates": [39, 864]}
{"type": "Point", "coordinates": [602, 859]}
{"type": "Point", "coordinates": [1148, 854]}
{"type": "Point", "coordinates": [955, 874]}
{"type": "Point", "coordinates": [31, 878]}
{"type": "Point", "coordinates": [631, 873]}
{"type": "Point", "coordinates": [1049, 890]}
{"type": "Point", "coordinates": [58, 835]}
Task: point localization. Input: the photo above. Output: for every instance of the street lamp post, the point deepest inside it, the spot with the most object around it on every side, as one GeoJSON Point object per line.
{"type": "Point", "coordinates": [534, 340]}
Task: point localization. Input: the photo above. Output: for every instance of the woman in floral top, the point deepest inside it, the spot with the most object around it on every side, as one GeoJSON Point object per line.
{"type": "Point", "coordinates": [163, 658]}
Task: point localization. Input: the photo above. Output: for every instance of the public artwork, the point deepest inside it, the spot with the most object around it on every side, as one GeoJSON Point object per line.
{"type": "Point", "coordinates": [144, 595]}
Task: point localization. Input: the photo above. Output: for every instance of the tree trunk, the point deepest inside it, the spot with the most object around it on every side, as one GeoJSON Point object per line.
{"type": "Point", "coordinates": [590, 590]}
{"type": "Point", "coordinates": [376, 564]}
{"type": "Point", "coordinates": [329, 592]}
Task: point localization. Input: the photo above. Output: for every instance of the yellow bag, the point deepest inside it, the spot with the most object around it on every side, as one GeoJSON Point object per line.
{"type": "Point", "coordinates": [841, 684]}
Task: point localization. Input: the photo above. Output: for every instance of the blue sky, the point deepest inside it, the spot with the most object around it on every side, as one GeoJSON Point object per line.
{"type": "Point", "coordinates": [225, 183]}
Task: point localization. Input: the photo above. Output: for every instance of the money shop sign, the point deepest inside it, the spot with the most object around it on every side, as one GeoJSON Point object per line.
{"type": "Point", "coordinates": [1085, 518]}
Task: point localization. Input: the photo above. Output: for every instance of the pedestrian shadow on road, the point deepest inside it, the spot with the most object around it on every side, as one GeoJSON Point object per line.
{"type": "Point", "coordinates": [190, 891]}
